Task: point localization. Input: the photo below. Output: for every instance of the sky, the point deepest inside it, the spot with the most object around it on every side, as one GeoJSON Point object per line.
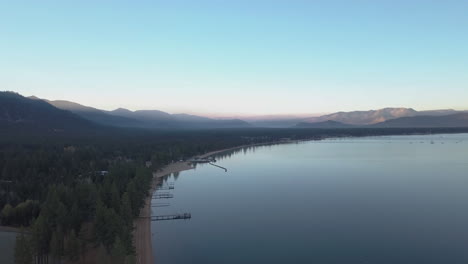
{"type": "Point", "coordinates": [238, 57]}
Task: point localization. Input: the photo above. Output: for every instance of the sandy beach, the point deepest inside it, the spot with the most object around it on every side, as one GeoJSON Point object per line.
{"type": "Point", "coordinates": [142, 232]}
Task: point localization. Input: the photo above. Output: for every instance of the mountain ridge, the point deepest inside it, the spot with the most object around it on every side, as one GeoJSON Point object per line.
{"type": "Point", "coordinates": [364, 117]}
{"type": "Point", "coordinates": [152, 119]}
{"type": "Point", "coordinates": [156, 119]}
{"type": "Point", "coordinates": [17, 111]}
{"type": "Point", "coordinates": [426, 121]}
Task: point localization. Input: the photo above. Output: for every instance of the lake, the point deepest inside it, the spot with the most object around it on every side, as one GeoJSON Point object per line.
{"type": "Point", "coordinates": [7, 245]}
{"type": "Point", "coordinates": [376, 200]}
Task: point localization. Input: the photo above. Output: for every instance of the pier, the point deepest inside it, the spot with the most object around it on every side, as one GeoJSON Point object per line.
{"type": "Point", "coordinates": [218, 166]}
{"type": "Point", "coordinates": [162, 196]}
{"type": "Point", "coordinates": [171, 217]}
{"type": "Point", "coordinates": [170, 187]}
{"type": "Point", "coordinates": [160, 205]}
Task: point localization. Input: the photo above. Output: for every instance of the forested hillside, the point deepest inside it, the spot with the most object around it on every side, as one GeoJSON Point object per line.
{"type": "Point", "coordinates": [18, 112]}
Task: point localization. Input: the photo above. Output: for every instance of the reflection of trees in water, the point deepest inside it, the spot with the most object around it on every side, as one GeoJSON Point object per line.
{"type": "Point", "coordinates": [165, 179]}
{"type": "Point", "coordinates": [226, 155]}
{"type": "Point", "coordinates": [247, 150]}
{"type": "Point", "coordinates": [176, 175]}
{"type": "Point", "coordinates": [169, 178]}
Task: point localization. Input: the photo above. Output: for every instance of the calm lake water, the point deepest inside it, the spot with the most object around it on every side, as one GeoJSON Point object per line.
{"type": "Point", "coordinates": [7, 245]}
{"type": "Point", "coordinates": [376, 200]}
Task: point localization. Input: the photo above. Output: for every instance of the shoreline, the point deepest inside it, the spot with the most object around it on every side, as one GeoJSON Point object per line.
{"type": "Point", "coordinates": [10, 229]}
{"type": "Point", "coordinates": [142, 234]}
{"type": "Point", "coordinates": [206, 155]}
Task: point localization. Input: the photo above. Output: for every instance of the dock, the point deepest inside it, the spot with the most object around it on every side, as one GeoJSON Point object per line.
{"type": "Point", "coordinates": [161, 188]}
{"type": "Point", "coordinates": [218, 166]}
{"type": "Point", "coordinates": [160, 205]}
{"type": "Point", "coordinates": [162, 196]}
{"type": "Point", "coordinates": [171, 217]}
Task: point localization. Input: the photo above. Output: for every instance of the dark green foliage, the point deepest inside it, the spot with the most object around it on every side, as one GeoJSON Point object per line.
{"type": "Point", "coordinates": [41, 235]}
{"type": "Point", "coordinates": [118, 252]}
{"type": "Point", "coordinates": [23, 250]}
{"type": "Point", "coordinates": [21, 215]}
{"type": "Point", "coordinates": [56, 246]}
{"type": "Point", "coordinates": [107, 225]}
{"type": "Point", "coordinates": [126, 210]}
{"type": "Point", "coordinates": [72, 246]}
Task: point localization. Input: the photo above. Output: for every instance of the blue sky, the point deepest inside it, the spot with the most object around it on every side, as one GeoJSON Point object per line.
{"type": "Point", "coordinates": [238, 57]}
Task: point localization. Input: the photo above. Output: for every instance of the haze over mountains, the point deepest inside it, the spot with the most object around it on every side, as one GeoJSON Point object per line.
{"type": "Point", "coordinates": [144, 118]}
{"type": "Point", "coordinates": [365, 117]}
{"type": "Point", "coordinates": [389, 117]}
{"type": "Point", "coordinates": [16, 110]}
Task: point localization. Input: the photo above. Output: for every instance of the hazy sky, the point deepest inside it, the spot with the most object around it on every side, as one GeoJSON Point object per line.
{"type": "Point", "coordinates": [238, 56]}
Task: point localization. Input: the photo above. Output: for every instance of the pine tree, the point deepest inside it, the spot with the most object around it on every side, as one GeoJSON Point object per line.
{"type": "Point", "coordinates": [55, 247]}
{"type": "Point", "coordinates": [126, 210]}
{"type": "Point", "coordinates": [83, 240]}
{"type": "Point", "coordinates": [40, 238]}
{"type": "Point", "coordinates": [72, 247]}
{"type": "Point", "coordinates": [23, 250]}
{"type": "Point", "coordinates": [133, 195]}
{"type": "Point", "coordinates": [102, 256]}
{"type": "Point", "coordinates": [118, 252]}
{"type": "Point", "coordinates": [6, 214]}
{"type": "Point", "coordinates": [115, 198]}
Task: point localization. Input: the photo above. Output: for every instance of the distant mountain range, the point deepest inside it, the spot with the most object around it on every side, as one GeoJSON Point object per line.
{"type": "Point", "coordinates": [153, 119]}
{"type": "Point", "coordinates": [348, 119]}
{"type": "Point", "coordinates": [452, 120]}
{"type": "Point", "coordinates": [324, 124]}
{"type": "Point", "coordinates": [365, 117]}
{"type": "Point", "coordinates": [389, 118]}
{"type": "Point", "coordinates": [19, 111]}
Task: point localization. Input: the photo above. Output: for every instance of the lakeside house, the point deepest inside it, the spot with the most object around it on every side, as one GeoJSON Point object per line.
{"type": "Point", "coordinates": [148, 164]}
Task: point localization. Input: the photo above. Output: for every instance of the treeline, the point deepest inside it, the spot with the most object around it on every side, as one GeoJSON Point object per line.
{"type": "Point", "coordinates": [88, 214]}
{"type": "Point", "coordinates": [21, 215]}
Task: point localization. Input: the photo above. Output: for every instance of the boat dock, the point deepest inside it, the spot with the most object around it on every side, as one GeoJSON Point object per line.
{"type": "Point", "coordinates": [162, 196]}
{"type": "Point", "coordinates": [161, 188]}
{"type": "Point", "coordinates": [171, 217]}
{"type": "Point", "coordinates": [160, 205]}
{"type": "Point", "coordinates": [218, 166]}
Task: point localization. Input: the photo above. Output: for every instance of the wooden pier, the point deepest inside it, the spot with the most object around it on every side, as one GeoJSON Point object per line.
{"type": "Point", "coordinates": [160, 205]}
{"type": "Point", "coordinates": [162, 196]}
{"type": "Point", "coordinates": [165, 188]}
{"type": "Point", "coordinates": [218, 166]}
{"type": "Point", "coordinates": [171, 217]}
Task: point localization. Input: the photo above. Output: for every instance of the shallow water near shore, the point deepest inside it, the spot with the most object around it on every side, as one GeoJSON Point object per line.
{"type": "Point", "coordinates": [396, 199]}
